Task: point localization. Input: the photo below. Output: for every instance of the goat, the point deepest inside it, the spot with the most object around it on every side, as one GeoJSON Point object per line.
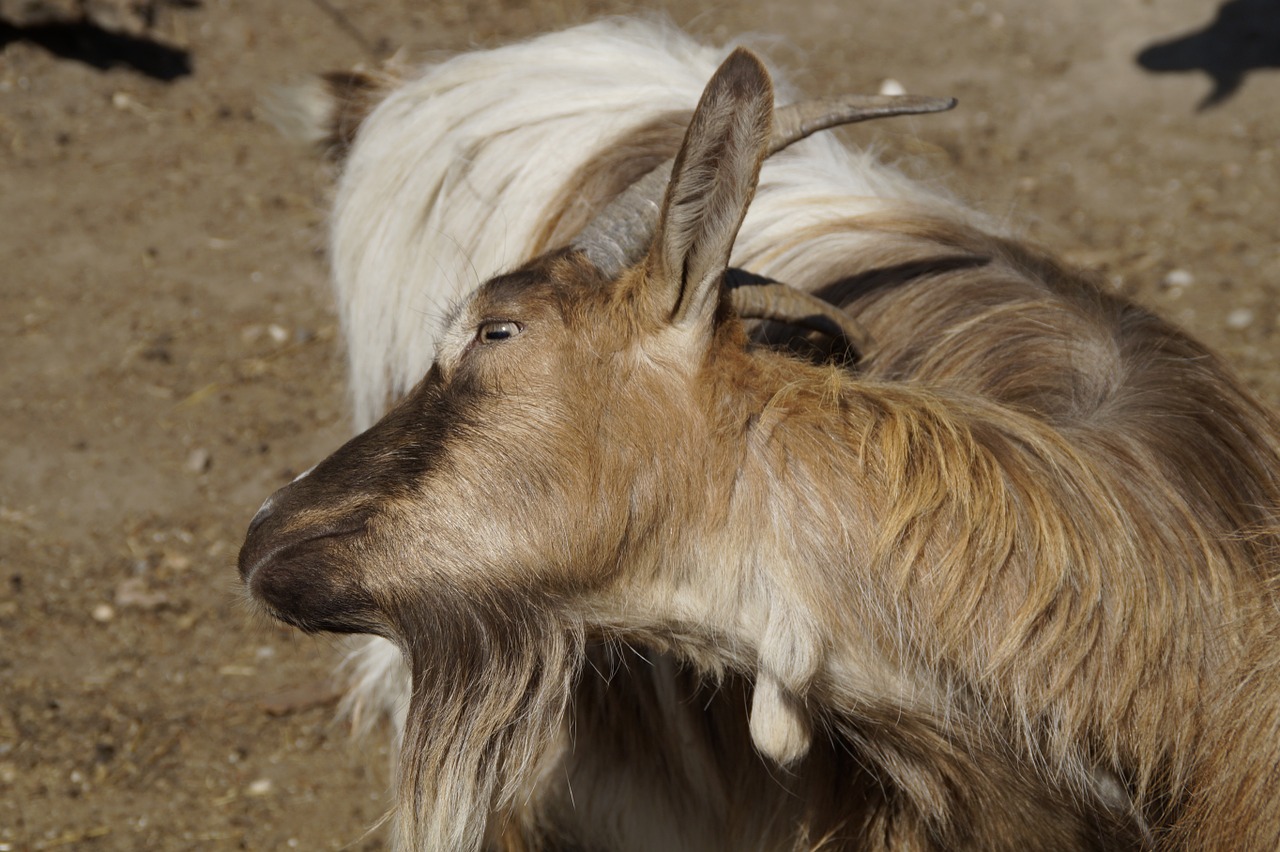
{"type": "Point", "coordinates": [1004, 581]}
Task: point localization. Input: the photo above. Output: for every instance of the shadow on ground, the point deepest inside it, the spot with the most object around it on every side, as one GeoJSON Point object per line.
{"type": "Point", "coordinates": [1244, 37]}
{"type": "Point", "coordinates": [84, 41]}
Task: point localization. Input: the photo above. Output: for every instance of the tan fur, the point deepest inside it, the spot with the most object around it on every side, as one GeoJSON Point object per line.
{"type": "Point", "coordinates": [1010, 584]}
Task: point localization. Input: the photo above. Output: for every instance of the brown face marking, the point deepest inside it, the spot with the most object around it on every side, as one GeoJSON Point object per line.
{"type": "Point", "coordinates": [341, 548]}
{"type": "Point", "coordinates": [301, 553]}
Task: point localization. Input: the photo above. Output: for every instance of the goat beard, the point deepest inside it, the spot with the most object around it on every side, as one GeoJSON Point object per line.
{"type": "Point", "coordinates": [492, 682]}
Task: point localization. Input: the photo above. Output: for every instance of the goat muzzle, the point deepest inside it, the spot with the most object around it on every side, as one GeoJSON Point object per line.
{"type": "Point", "coordinates": [295, 564]}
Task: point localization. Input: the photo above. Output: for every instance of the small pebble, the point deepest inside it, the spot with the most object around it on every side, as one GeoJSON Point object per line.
{"type": "Point", "coordinates": [103, 613]}
{"type": "Point", "coordinates": [176, 561]}
{"type": "Point", "coordinates": [198, 460]}
{"type": "Point", "coordinates": [1178, 278]}
{"type": "Point", "coordinates": [892, 87]}
{"type": "Point", "coordinates": [261, 787]}
{"type": "Point", "coordinates": [1240, 318]}
{"type": "Point", "coordinates": [278, 333]}
{"type": "Point", "coordinates": [134, 593]}
{"type": "Point", "coordinates": [237, 671]}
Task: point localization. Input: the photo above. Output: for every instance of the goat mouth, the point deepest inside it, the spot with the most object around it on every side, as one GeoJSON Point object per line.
{"type": "Point", "coordinates": [308, 582]}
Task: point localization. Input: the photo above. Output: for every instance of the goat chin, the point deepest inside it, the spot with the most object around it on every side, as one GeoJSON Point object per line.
{"type": "Point", "coordinates": [1058, 629]}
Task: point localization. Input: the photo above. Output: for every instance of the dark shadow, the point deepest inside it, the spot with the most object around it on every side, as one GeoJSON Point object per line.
{"type": "Point", "coordinates": [819, 340]}
{"type": "Point", "coordinates": [1244, 37]}
{"type": "Point", "coordinates": [102, 49]}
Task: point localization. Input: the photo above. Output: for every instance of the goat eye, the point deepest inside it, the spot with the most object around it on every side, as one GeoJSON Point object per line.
{"type": "Point", "coordinates": [497, 331]}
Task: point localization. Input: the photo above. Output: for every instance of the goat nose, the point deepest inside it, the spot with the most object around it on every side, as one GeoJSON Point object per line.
{"type": "Point", "coordinates": [260, 517]}
{"type": "Point", "coordinates": [268, 505]}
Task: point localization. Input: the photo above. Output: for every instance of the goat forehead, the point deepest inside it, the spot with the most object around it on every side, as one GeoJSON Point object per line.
{"type": "Point", "coordinates": [524, 286]}
{"type": "Point", "coordinates": [552, 287]}
{"type": "Point", "coordinates": [552, 280]}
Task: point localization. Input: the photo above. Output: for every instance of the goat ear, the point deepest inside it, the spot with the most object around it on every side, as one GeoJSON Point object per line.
{"type": "Point", "coordinates": [712, 183]}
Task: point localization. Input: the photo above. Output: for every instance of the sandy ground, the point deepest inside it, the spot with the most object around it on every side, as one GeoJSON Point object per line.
{"type": "Point", "coordinates": [168, 351]}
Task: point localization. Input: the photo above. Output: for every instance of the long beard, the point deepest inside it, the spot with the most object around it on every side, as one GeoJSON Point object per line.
{"type": "Point", "coordinates": [491, 687]}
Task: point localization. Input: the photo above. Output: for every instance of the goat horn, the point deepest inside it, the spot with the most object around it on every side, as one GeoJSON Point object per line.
{"type": "Point", "coordinates": [796, 121]}
{"type": "Point", "coordinates": [769, 300]}
{"type": "Point", "coordinates": [620, 234]}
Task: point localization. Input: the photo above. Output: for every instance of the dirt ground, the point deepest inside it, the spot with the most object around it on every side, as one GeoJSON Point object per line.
{"type": "Point", "coordinates": [169, 356]}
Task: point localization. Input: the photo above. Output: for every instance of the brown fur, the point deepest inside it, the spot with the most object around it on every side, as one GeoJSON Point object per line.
{"type": "Point", "coordinates": [353, 95]}
{"type": "Point", "coordinates": [1009, 585]}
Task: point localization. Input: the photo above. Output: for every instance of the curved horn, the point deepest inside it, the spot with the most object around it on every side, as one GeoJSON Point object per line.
{"type": "Point", "coordinates": [770, 300]}
{"type": "Point", "coordinates": [799, 120]}
{"type": "Point", "coordinates": [620, 234]}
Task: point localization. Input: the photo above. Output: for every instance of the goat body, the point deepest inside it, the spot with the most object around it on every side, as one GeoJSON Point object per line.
{"type": "Point", "coordinates": [642, 581]}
